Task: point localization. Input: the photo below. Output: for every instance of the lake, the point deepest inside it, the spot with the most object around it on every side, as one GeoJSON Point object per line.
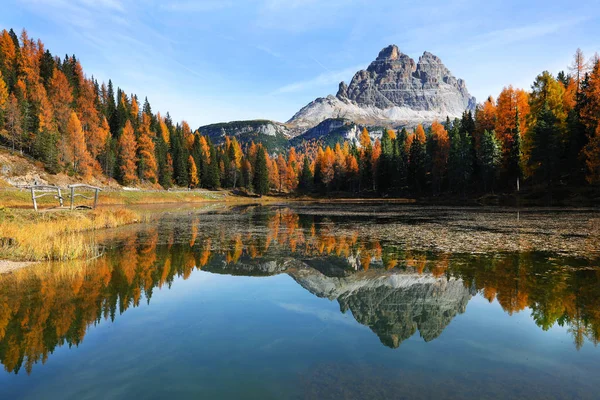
{"type": "Point", "coordinates": [314, 301]}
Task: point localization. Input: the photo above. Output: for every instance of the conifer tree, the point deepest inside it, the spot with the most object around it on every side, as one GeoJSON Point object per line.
{"type": "Point", "coordinates": [400, 161]}
{"type": "Point", "coordinates": [545, 150]}
{"type": "Point", "coordinates": [77, 151]}
{"type": "Point", "coordinates": [489, 158]}
{"type": "Point", "coordinates": [192, 173]}
{"type": "Point", "coordinates": [147, 165]}
{"type": "Point", "coordinates": [306, 177]}
{"type": "Point", "coordinates": [513, 163]}
{"type": "Point", "coordinates": [212, 168]}
{"type": "Point", "coordinates": [127, 155]}
{"type": "Point", "coordinates": [416, 160]}
{"type": "Point", "coordinates": [385, 168]}
{"type": "Point", "coordinates": [460, 160]}
{"type": "Point", "coordinates": [261, 174]}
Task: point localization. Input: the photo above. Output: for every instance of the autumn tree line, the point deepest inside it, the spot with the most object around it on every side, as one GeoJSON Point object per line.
{"type": "Point", "coordinates": [50, 110]}
{"type": "Point", "coordinates": [547, 137]}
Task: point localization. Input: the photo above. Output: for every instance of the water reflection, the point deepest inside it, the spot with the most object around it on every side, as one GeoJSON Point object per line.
{"type": "Point", "coordinates": [393, 291]}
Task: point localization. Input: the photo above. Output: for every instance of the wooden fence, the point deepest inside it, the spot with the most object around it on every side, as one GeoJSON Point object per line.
{"type": "Point", "coordinates": [38, 191]}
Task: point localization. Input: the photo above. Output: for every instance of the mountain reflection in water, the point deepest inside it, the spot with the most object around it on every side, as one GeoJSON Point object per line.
{"type": "Point", "coordinates": [393, 291]}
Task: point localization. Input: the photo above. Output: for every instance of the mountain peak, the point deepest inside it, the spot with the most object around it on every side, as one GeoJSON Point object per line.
{"type": "Point", "coordinates": [394, 89]}
{"type": "Point", "coordinates": [390, 53]}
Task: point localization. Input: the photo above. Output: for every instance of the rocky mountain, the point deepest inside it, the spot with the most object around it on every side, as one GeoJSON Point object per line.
{"type": "Point", "coordinates": [393, 305]}
{"type": "Point", "coordinates": [392, 90]}
{"type": "Point", "coordinates": [274, 135]}
{"type": "Point", "coordinates": [331, 131]}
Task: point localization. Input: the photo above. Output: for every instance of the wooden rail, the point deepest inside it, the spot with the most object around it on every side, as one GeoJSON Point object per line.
{"type": "Point", "coordinates": [38, 191]}
{"type": "Point", "coordinates": [84, 186]}
{"type": "Point", "coordinates": [47, 190]}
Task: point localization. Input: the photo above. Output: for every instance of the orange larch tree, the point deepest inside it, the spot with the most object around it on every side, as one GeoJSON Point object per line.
{"type": "Point", "coordinates": [192, 172]}
{"type": "Point", "coordinates": [510, 102]}
{"type": "Point", "coordinates": [77, 152]}
{"type": "Point", "coordinates": [147, 165]}
{"type": "Point", "coordinates": [590, 114]}
{"type": "Point", "coordinates": [440, 157]}
{"type": "Point", "coordinates": [60, 97]}
{"type": "Point", "coordinates": [282, 169]}
{"type": "Point", "coordinates": [127, 155]}
{"type": "Point", "coordinates": [485, 119]}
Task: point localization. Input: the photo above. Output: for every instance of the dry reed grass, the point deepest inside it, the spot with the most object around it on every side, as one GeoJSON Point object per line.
{"type": "Point", "coordinates": [60, 235]}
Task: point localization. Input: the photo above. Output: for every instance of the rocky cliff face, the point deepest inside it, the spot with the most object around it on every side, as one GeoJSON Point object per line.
{"type": "Point", "coordinates": [394, 306]}
{"type": "Point", "coordinates": [274, 135]}
{"type": "Point", "coordinates": [393, 89]}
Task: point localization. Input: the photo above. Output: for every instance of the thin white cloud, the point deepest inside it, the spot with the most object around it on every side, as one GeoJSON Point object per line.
{"type": "Point", "coordinates": [319, 313]}
{"type": "Point", "coordinates": [197, 6]}
{"type": "Point", "coordinates": [325, 79]}
{"type": "Point", "coordinates": [109, 4]}
{"type": "Point", "coordinates": [503, 37]}
{"type": "Point", "coordinates": [269, 51]}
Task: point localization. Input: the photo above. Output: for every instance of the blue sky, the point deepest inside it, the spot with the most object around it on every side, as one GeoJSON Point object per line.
{"type": "Point", "coordinates": [221, 60]}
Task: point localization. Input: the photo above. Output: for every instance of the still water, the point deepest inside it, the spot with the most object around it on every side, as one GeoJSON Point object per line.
{"type": "Point", "coordinates": [298, 302]}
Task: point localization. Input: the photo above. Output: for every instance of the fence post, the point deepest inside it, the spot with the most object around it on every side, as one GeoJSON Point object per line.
{"type": "Point", "coordinates": [60, 199]}
{"type": "Point", "coordinates": [95, 198]}
{"type": "Point", "coordinates": [33, 198]}
{"type": "Point", "coordinates": [72, 197]}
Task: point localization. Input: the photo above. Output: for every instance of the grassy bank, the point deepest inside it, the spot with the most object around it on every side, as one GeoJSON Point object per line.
{"type": "Point", "coordinates": [57, 235]}
{"type": "Point", "coordinates": [22, 198]}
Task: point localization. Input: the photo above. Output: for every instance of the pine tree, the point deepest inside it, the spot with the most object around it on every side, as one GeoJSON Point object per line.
{"type": "Point", "coordinates": [366, 161]}
{"type": "Point", "coordinates": [213, 168]}
{"type": "Point", "coordinates": [306, 177]}
{"type": "Point", "coordinates": [400, 161]}
{"type": "Point", "coordinates": [439, 157]}
{"type": "Point", "coordinates": [179, 156]}
{"type": "Point", "coordinates": [545, 150]}
{"type": "Point", "coordinates": [460, 160]}
{"type": "Point", "coordinates": [385, 168]}
{"type": "Point", "coordinates": [513, 170]}
{"type": "Point", "coordinates": [261, 174]}
{"type": "Point", "coordinates": [489, 158]}
{"type": "Point", "coordinates": [416, 160]}
{"type": "Point", "coordinates": [165, 178]}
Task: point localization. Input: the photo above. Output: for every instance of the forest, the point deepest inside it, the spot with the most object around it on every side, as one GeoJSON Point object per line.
{"type": "Point", "coordinates": [544, 137]}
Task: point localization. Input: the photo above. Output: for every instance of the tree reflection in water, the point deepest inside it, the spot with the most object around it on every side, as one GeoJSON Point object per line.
{"type": "Point", "coordinates": [393, 291]}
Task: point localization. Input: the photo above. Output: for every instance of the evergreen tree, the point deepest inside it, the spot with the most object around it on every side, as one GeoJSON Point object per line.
{"type": "Point", "coordinates": [545, 152]}
{"type": "Point", "coordinates": [246, 175]}
{"type": "Point", "coordinates": [45, 148]}
{"type": "Point", "coordinates": [212, 178]}
{"type": "Point", "coordinates": [460, 160]}
{"type": "Point", "coordinates": [162, 155]}
{"type": "Point", "coordinates": [417, 161]}
{"type": "Point", "coordinates": [513, 170]}
{"type": "Point", "coordinates": [226, 181]}
{"type": "Point", "coordinates": [489, 158]}
{"type": "Point", "coordinates": [111, 110]}
{"type": "Point", "coordinates": [108, 160]}
{"type": "Point", "coordinates": [385, 168]}
{"type": "Point", "coordinates": [261, 174]}
{"type": "Point", "coordinates": [46, 68]}
{"type": "Point", "coordinates": [306, 178]}
{"type": "Point", "coordinates": [180, 156]}
{"type": "Point", "coordinates": [400, 161]}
